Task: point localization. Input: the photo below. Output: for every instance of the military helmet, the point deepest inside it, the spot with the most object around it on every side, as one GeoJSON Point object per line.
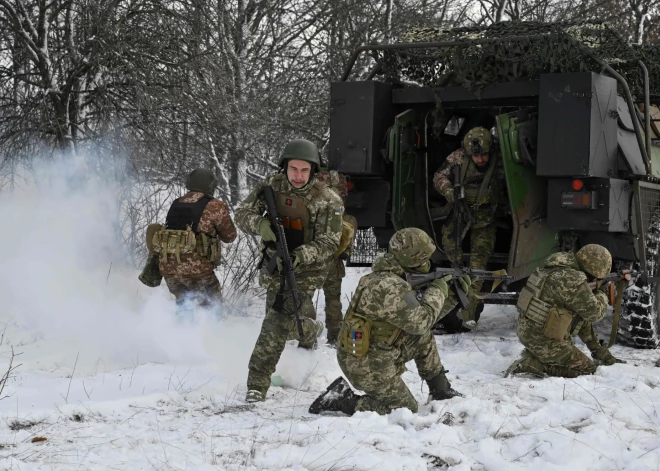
{"type": "Point", "coordinates": [203, 180]}
{"type": "Point", "coordinates": [595, 260]}
{"type": "Point", "coordinates": [301, 149]}
{"type": "Point", "coordinates": [477, 141]}
{"type": "Point", "coordinates": [411, 247]}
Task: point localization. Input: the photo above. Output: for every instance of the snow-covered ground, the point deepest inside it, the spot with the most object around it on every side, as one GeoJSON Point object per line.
{"type": "Point", "coordinates": [143, 391]}
{"type": "Point", "coordinates": [107, 378]}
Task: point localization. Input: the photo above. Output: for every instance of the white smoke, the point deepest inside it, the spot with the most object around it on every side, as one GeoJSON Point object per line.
{"type": "Point", "coordinates": [66, 290]}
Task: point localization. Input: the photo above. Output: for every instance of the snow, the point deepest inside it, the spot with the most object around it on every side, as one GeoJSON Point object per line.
{"type": "Point", "coordinates": [113, 380]}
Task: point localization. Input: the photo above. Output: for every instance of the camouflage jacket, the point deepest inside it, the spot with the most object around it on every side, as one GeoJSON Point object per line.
{"type": "Point", "coordinates": [326, 211]}
{"type": "Point", "coordinates": [566, 287]}
{"type": "Point", "coordinates": [215, 222]}
{"type": "Point", "coordinates": [481, 213]}
{"type": "Point", "coordinates": [336, 181]}
{"type": "Point", "coordinates": [386, 296]}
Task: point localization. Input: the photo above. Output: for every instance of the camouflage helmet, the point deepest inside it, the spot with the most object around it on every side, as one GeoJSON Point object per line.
{"type": "Point", "coordinates": [594, 259]}
{"type": "Point", "coordinates": [411, 247]}
{"type": "Point", "coordinates": [477, 141]}
{"type": "Point", "coordinates": [203, 180]}
{"type": "Point", "coordinates": [301, 149]}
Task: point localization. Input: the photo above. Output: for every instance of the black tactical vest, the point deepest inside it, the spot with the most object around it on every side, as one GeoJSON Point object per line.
{"type": "Point", "coordinates": [182, 215]}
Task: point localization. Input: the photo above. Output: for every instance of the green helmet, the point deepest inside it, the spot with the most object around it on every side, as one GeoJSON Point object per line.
{"type": "Point", "coordinates": [595, 260]}
{"type": "Point", "coordinates": [202, 180]}
{"type": "Point", "coordinates": [477, 141]}
{"type": "Point", "coordinates": [411, 247]}
{"type": "Point", "coordinates": [301, 149]}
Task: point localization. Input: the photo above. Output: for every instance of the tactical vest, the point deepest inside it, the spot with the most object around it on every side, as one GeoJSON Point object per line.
{"type": "Point", "coordinates": [476, 196]}
{"type": "Point", "coordinates": [358, 331]}
{"type": "Point", "coordinates": [555, 321]}
{"type": "Point", "coordinates": [294, 213]}
{"type": "Point", "coordinates": [181, 233]}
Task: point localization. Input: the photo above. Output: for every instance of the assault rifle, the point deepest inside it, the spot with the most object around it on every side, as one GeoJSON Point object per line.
{"type": "Point", "coordinates": [419, 279]}
{"type": "Point", "coordinates": [458, 203]}
{"type": "Point", "coordinates": [623, 275]}
{"type": "Point", "coordinates": [282, 249]}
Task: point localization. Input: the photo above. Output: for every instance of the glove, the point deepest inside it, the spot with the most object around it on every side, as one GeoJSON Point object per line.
{"type": "Point", "coordinates": [267, 234]}
{"type": "Point", "coordinates": [441, 284]}
{"type": "Point", "coordinates": [280, 266]}
{"type": "Point", "coordinates": [449, 196]}
{"type": "Point", "coordinates": [465, 282]}
{"type": "Point", "coordinates": [343, 256]}
{"type": "Point", "coordinates": [604, 355]}
{"type": "Point", "coordinates": [604, 288]}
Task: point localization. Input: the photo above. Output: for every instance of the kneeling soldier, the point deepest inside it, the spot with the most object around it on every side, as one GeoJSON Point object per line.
{"type": "Point", "coordinates": [557, 303]}
{"type": "Point", "coordinates": [385, 327]}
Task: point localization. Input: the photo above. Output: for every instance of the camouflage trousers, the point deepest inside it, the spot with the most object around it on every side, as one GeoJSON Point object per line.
{"type": "Point", "coordinates": [332, 293]}
{"type": "Point", "coordinates": [558, 357]}
{"type": "Point", "coordinates": [482, 245]}
{"type": "Point", "coordinates": [379, 372]}
{"type": "Point", "coordinates": [205, 291]}
{"type": "Point", "coordinates": [276, 329]}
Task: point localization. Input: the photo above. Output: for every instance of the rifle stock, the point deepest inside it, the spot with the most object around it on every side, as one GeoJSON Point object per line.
{"type": "Point", "coordinates": [283, 253]}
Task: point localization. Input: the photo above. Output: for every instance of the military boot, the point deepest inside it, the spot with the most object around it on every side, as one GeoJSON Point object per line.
{"type": "Point", "coordinates": [527, 363]}
{"type": "Point", "coordinates": [338, 397]}
{"type": "Point", "coordinates": [255, 395]}
{"type": "Point", "coordinates": [440, 388]}
{"type": "Point", "coordinates": [318, 330]}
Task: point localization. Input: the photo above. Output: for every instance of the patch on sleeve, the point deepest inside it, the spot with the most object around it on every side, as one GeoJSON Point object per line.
{"type": "Point", "coordinates": [335, 222]}
{"type": "Point", "coordinates": [410, 298]}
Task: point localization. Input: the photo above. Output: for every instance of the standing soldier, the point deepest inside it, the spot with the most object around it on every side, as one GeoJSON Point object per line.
{"type": "Point", "coordinates": [385, 327]}
{"type": "Point", "coordinates": [482, 178]}
{"type": "Point", "coordinates": [336, 270]}
{"type": "Point", "coordinates": [188, 246]}
{"type": "Point", "coordinates": [557, 303]}
{"type": "Point", "coordinates": [312, 217]}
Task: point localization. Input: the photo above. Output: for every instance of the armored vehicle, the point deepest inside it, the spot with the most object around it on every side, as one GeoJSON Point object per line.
{"type": "Point", "coordinates": [571, 107]}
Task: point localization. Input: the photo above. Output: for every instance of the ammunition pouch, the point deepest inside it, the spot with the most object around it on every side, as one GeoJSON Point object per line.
{"type": "Point", "coordinates": [557, 325]}
{"type": "Point", "coordinates": [178, 242]}
{"type": "Point", "coordinates": [385, 332]}
{"type": "Point", "coordinates": [477, 196]}
{"type": "Point", "coordinates": [355, 334]}
{"type": "Point", "coordinates": [294, 232]}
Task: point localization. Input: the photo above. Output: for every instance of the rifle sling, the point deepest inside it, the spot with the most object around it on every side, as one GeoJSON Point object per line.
{"type": "Point", "coordinates": [617, 311]}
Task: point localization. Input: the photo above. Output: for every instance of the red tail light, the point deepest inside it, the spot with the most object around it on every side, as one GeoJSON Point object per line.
{"type": "Point", "coordinates": [577, 185]}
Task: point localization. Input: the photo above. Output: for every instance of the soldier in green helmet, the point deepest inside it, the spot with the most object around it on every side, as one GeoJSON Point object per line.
{"type": "Point", "coordinates": [556, 304]}
{"type": "Point", "coordinates": [387, 325]}
{"type": "Point", "coordinates": [187, 249]}
{"type": "Point", "coordinates": [483, 182]}
{"type": "Point", "coordinates": [311, 214]}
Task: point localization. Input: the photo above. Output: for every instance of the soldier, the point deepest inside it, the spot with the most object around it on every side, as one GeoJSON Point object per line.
{"type": "Point", "coordinates": [336, 270]}
{"type": "Point", "coordinates": [385, 327]}
{"type": "Point", "coordinates": [482, 178]}
{"type": "Point", "coordinates": [188, 247]}
{"type": "Point", "coordinates": [312, 217]}
{"type": "Point", "coordinates": [557, 303]}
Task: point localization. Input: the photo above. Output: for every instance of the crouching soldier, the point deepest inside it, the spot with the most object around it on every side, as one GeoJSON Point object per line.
{"type": "Point", "coordinates": [385, 327]}
{"type": "Point", "coordinates": [556, 304]}
{"type": "Point", "coordinates": [187, 248]}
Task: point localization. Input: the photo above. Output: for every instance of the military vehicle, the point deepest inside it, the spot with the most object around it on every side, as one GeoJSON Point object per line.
{"type": "Point", "coordinates": [572, 109]}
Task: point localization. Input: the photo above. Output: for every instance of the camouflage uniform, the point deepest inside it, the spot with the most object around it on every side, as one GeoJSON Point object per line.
{"type": "Point", "coordinates": [563, 286]}
{"type": "Point", "coordinates": [193, 276]}
{"type": "Point", "coordinates": [336, 269]}
{"type": "Point", "coordinates": [325, 211]}
{"type": "Point", "coordinates": [480, 220]}
{"type": "Point", "coordinates": [400, 331]}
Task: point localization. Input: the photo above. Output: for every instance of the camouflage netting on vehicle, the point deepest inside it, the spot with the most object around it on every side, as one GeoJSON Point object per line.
{"type": "Point", "coordinates": [516, 51]}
